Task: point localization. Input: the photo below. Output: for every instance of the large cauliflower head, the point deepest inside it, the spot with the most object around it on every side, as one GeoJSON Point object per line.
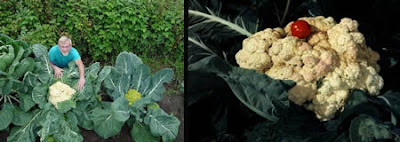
{"type": "Point", "coordinates": [60, 92]}
{"type": "Point", "coordinates": [325, 66]}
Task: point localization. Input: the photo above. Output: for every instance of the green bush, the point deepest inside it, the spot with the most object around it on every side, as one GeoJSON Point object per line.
{"type": "Point", "coordinates": [101, 29]}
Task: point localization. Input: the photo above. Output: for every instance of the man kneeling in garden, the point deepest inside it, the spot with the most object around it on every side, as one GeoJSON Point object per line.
{"type": "Point", "coordinates": [63, 53]}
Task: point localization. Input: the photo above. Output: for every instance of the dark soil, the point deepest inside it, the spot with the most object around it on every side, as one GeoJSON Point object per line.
{"type": "Point", "coordinates": [174, 104]}
{"type": "Point", "coordinates": [3, 136]}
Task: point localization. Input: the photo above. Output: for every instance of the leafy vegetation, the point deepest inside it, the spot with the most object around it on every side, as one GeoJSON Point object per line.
{"type": "Point", "coordinates": [100, 30]}
{"type": "Point", "coordinates": [247, 106]}
{"type": "Point", "coordinates": [36, 116]}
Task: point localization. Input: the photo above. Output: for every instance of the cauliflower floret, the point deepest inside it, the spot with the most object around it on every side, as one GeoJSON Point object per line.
{"type": "Point", "coordinates": [258, 60]}
{"type": "Point", "coordinates": [318, 23]}
{"type": "Point", "coordinates": [133, 95]}
{"type": "Point", "coordinates": [300, 93]}
{"type": "Point", "coordinates": [335, 87]}
{"type": "Point", "coordinates": [60, 92]}
{"type": "Point", "coordinates": [284, 49]}
{"type": "Point", "coordinates": [329, 63]}
{"type": "Point", "coordinates": [254, 53]}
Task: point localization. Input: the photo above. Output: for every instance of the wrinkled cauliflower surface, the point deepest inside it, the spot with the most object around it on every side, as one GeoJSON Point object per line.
{"type": "Point", "coordinates": [60, 92]}
{"type": "Point", "coordinates": [325, 66]}
{"type": "Point", "coordinates": [133, 95]}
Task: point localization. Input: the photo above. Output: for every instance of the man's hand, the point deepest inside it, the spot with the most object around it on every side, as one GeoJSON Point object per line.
{"type": "Point", "coordinates": [81, 68]}
{"type": "Point", "coordinates": [58, 72]}
{"type": "Point", "coordinates": [81, 83]}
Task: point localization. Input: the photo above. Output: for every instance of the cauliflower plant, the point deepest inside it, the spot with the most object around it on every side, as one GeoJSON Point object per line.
{"type": "Point", "coordinates": [153, 106]}
{"type": "Point", "coordinates": [133, 95]}
{"type": "Point", "coordinates": [60, 92]}
{"type": "Point", "coordinates": [326, 65]}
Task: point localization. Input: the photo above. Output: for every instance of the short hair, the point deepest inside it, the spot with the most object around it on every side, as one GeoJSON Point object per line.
{"type": "Point", "coordinates": [64, 39]}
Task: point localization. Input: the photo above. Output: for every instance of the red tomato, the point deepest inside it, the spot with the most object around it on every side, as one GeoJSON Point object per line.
{"type": "Point", "coordinates": [300, 29]}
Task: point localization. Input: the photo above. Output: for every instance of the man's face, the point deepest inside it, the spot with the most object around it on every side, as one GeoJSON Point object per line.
{"type": "Point", "coordinates": [64, 47]}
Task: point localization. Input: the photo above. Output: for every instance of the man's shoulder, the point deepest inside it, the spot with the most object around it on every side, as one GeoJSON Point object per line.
{"type": "Point", "coordinates": [53, 49]}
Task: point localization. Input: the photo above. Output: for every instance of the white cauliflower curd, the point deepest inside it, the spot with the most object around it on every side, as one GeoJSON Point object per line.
{"type": "Point", "coordinates": [326, 65]}
{"type": "Point", "coordinates": [60, 92]}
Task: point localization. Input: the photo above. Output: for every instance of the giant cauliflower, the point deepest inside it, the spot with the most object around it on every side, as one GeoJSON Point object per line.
{"type": "Point", "coordinates": [60, 92]}
{"type": "Point", "coordinates": [325, 66]}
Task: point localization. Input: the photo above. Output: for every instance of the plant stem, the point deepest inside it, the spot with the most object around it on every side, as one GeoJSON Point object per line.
{"type": "Point", "coordinates": [212, 18]}
{"type": "Point", "coordinates": [201, 45]}
{"type": "Point", "coordinates": [285, 13]}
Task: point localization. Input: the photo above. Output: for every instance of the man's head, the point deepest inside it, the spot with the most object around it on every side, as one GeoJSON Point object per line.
{"type": "Point", "coordinates": [64, 44]}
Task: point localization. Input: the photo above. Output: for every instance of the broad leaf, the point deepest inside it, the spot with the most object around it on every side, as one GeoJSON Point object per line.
{"type": "Point", "coordinates": [260, 93]}
{"type": "Point", "coordinates": [72, 120]}
{"type": "Point", "coordinates": [61, 127]}
{"type": "Point", "coordinates": [87, 91]}
{"type": "Point", "coordinates": [121, 109]}
{"type": "Point", "coordinates": [25, 133]}
{"type": "Point", "coordinates": [104, 123]}
{"type": "Point", "coordinates": [21, 118]}
{"type": "Point", "coordinates": [84, 119]}
{"type": "Point", "coordinates": [209, 20]}
{"type": "Point", "coordinates": [14, 64]}
{"type": "Point", "coordinates": [156, 86]}
{"type": "Point", "coordinates": [41, 52]}
{"type": "Point", "coordinates": [71, 72]}
{"type": "Point", "coordinates": [26, 65]}
{"type": "Point", "coordinates": [266, 96]}
{"type": "Point", "coordinates": [49, 123]}
{"type": "Point", "coordinates": [141, 103]}
{"type": "Point", "coordinates": [116, 84]}
{"type": "Point", "coordinates": [356, 104]}
{"type": "Point", "coordinates": [262, 131]}
{"type": "Point", "coordinates": [45, 72]}
{"type": "Point", "coordinates": [102, 75]}
{"type": "Point", "coordinates": [141, 133]}
{"type": "Point", "coordinates": [65, 106]}
{"type": "Point", "coordinates": [67, 134]}
{"type": "Point", "coordinates": [6, 115]}
{"type": "Point", "coordinates": [139, 76]}
{"type": "Point", "coordinates": [26, 102]}
{"type": "Point", "coordinates": [30, 79]}
{"type": "Point", "coordinates": [364, 128]}
{"type": "Point", "coordinates": [7, 88]}
{"type": "Point", "coordinates": [390, 101]}
{"type": "Point", "coordinates": [162, 124]}
{"type": "Point", "coordinates": [92, 71]}
{"type": "Point", "coordinates": [126, 62]}
{"type": "Point", "coordinates": [39, 94]}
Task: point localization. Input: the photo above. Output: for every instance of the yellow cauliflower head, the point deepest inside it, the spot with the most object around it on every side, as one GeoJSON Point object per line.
{"type": "Point", "coordinates": [133, 95]}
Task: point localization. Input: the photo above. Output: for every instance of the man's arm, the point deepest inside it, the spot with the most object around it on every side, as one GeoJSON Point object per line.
{"type": "Point", "coordinates": [52, 65]}
{"type": "Point", "coordinates": [81, 68]}
{"type": "Point", "coordinates": [57, 70]}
